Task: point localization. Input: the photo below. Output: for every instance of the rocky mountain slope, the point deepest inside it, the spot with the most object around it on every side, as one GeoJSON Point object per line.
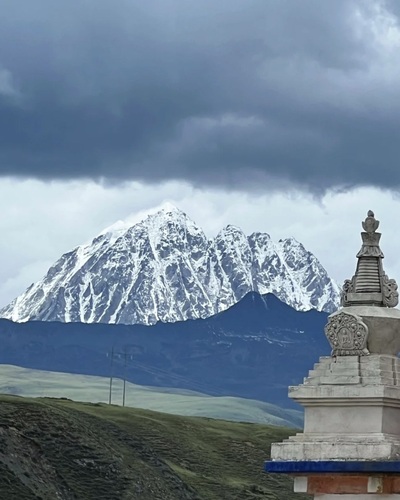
{"type": "Point", "coordinates": [166, 269]}
{"type": "Point", "coordinates": [52, 449]}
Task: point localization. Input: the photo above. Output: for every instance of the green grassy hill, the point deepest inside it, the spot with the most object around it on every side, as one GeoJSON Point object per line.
{"type": "Point", "coordinates": [37, 383]}
{"type": "Point", "coordinates": [59, 449]}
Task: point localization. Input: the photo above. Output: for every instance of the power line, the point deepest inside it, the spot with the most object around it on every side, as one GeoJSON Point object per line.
{"type": "Point", "coordinates": [215, 391]}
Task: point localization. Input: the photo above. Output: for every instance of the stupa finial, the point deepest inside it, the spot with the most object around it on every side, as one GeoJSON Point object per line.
{"type": "Point", "coordinates": [370, 225]}
{"type": "Point", "coordinates": [370, 238]}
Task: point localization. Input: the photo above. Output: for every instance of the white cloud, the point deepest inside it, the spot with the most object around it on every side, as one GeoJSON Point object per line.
{"type": "Point", "coordinates": [40, 221]}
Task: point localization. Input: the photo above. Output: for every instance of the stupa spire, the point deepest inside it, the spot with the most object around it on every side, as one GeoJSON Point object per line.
{"type": "Point", "coordinates": [370, 285]}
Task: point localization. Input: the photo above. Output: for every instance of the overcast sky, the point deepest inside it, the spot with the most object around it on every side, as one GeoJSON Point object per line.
{"type": "Point", "coordinates": [275, 115]}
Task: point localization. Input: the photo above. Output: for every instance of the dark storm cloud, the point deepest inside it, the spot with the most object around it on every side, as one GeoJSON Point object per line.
{"type": "Point", "coordinates": [213, 92]}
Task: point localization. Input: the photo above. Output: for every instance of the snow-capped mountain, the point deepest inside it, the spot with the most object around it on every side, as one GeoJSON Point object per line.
{"type": "Point", "coordinates": [166, 269]}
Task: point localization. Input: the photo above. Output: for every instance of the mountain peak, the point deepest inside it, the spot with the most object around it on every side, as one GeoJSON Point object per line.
{"type": "Point", "coordinates": [166, 211]}
{"type": "Point", "coordinates": [169, 224]}
{"type": "Point", "coordinates": [160, 266]}
{"type": "Point", "coordinates": [168, 207]}
{"type": "Point", "coordinates": [160, 213]}
{"type": "Point", "coordinates": [231, 231]}
{"type": "Point", "coordinates": [291, 240]}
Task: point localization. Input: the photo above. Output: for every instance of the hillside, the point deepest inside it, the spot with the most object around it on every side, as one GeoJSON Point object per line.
{"type": "Point", "coordinates": [66, 450]}
{"type": "Point", "coordinates": [37, 383]}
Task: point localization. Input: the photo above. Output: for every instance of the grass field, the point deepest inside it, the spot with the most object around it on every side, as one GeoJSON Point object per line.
{"type": "Point", "coordinates": [60, 449]}
{"type": "Point", "coordinates": [35, 383]}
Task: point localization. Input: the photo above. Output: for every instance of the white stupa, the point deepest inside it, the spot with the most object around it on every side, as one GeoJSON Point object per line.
{"type": "Point", "coordinates": [350, 446]}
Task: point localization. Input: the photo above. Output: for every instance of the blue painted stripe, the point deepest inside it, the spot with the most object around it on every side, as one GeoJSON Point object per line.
{"type": "Point", "coordinates": [290, 467]}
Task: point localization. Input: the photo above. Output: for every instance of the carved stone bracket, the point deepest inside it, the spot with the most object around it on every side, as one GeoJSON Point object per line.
{"type": "Point", "coordinates": [348, 287]}
{"type": "Point", "coordinates": [347, 335]}
{"type": "Point", "coordinates": [389, 291]}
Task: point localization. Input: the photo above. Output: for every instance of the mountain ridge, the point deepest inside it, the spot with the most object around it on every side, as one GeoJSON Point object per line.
{"type": "Point", "coordinates": [164, 268]}
{"type": "Point", "coordinates": [255, 349]}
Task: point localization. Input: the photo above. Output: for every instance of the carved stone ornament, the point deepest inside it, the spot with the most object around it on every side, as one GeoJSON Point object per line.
{"type": "Point", "coordinates": [348, 287]}
{"type": "Point", "coordinates": [347, 335]}
{"type": "Point", "coordinates": [389, 291]}
{"type": "Point", "coordinates": [370, 225]}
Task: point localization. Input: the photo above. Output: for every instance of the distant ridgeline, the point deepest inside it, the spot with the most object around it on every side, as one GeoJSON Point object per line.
{"type": "Point", "coordinates": [255, 349]}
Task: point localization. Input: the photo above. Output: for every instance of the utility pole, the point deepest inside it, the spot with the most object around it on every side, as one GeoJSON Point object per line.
{"type": "Point", "coordinates": [125, 357]}
{"type": "Point", "coordinates": [111, 375]}
{"type": "Point", "coordinates": [123, 393]}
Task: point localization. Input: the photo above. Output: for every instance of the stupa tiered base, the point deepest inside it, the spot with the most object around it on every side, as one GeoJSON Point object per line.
{"type": "Point", "coordinates": [351, 439]}
{"type": "Point", "coordinates": [352, 411]}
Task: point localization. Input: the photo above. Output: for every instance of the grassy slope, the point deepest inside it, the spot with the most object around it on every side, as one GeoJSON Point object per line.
{"type": "Point", "coordinates": [37, 383]}
{"type": "Point", "coordinates": [62, 449]}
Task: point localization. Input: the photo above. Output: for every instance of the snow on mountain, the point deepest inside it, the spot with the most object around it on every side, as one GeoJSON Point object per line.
{"type": "Point", "coordinates": [164, 268]}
